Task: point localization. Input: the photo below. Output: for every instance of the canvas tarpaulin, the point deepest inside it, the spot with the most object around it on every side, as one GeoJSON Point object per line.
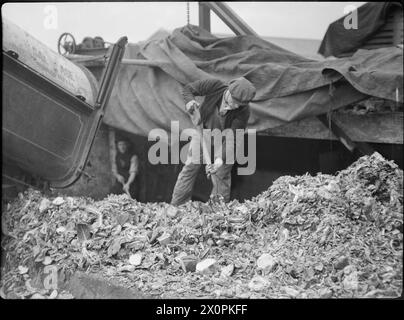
{"type": "Point", "coordinates": [370, 18]}
{"type": "Point", "coordinates": [289, 87]}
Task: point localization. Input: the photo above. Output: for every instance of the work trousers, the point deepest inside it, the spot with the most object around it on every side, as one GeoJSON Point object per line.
{"type": "Point", "coordinates": [221, 180]}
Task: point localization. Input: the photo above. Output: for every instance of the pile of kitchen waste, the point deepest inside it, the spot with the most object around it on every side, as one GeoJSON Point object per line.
{"type": "Point", "coordinates": [320, 236]}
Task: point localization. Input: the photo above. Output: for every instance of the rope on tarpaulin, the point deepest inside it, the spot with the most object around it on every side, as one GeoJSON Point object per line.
{"type": "Point", "coordinates": [331, 90]}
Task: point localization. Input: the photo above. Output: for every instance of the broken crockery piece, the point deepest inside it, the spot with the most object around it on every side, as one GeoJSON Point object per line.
{"type": "Point", "coordinates": [58, 201]}
{"type": "Point", "coordinates": [83, 231]}
{"type": "Point", "coordinates": [164, 239]}
{"type": "Point", "coordinates": [266, 262]}
{"type": "Point", "coordinates": [44, 205]}
{"type": "Point", "coordinates": [53, 294]}
{"type": "Point", "coordinates": [188, 263]}
{"type": "Point", "coordinates": [127, 268]}
{"type": "Point", "coordinates": [341, 263]}
{"type": "Point", "coordinates": [61, 229]}
{"type": "Point", "coordinates": [227, 271]}
{"type": "Point", "coordinates": [206, 266]}
{"type": "Point", "coordinates": [22, 269]}
{"type": "Point", "coordinates": [135, 259]}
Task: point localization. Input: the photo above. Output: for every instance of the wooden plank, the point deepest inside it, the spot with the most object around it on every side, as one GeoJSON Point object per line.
{"type": "Point", "coordinates": [373, 127]}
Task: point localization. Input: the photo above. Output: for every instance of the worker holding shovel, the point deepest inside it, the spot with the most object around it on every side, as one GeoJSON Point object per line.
{"type": "Point", "coordinates": [225, 107]}
{"type": "Point", "coordinates": [125, 169]}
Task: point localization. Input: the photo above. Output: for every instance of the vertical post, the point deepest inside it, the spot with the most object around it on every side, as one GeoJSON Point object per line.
{"type": "Point", "coordinates": [112, 150]}
{"type": "Point", "coordinates": [204, 16]}
{"type": "Point", "coordinates": [396, 27]}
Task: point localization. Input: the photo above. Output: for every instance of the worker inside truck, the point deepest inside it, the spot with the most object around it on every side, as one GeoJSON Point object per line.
{"type": "Point", "coordinates": [226, 106]}
{"type": "Point", "coordinates": [125, 169]}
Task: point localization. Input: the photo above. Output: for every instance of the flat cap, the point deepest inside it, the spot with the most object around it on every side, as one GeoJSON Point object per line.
{"type": "Point", "coordinates": [242, 90]}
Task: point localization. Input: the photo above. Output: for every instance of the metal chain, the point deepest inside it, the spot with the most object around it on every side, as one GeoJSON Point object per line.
{"type": "Point", "coordinates": [187, 13]}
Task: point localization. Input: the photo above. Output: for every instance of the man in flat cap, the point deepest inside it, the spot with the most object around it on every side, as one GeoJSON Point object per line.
{"type": "Point", "coordinates": [225, 106]}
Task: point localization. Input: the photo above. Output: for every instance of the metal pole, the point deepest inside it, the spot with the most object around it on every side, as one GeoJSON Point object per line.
{"type": "Point", "coordinates": [204, 16]}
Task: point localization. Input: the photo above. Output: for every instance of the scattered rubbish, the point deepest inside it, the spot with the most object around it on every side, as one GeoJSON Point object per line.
{"type": "Point", "coordinates": [319, 236]}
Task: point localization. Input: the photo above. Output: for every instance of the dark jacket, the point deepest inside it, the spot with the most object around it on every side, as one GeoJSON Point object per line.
{"type": "Point", "coordinates": [212, 90]}
{"type": "Point", "coordinates": [122, 161]}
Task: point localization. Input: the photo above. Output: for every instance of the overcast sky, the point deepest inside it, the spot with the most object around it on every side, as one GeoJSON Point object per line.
{"type": "Point", "coordinates": [139, 20]}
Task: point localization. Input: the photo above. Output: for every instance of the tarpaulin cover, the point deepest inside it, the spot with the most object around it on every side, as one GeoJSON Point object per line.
{"type": "Point", "coordinates": [289, 87]}
{"type": "Point", "coordinates": [370, 17]}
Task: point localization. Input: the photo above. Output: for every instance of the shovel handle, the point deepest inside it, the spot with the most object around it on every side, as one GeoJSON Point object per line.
{"type": "Point", "coordinates": [127, 192]}
{"type": "Point", "coordinates": [205, 151]}
{"type": "Point", "coordinates": [196, 120]}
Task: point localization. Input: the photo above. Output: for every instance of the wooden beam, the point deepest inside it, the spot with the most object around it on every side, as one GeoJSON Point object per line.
{"type": "Point", "coordinates": [230, 18]}
{"type": "Point", "coordinates": [373, 127]}
{"type": "Point", "coordinates": [204, 16]}
{"type": "Point", "coordinates": [397, 27]}
{"type": "Point", "coordinates": [363, 147]}
{"type": "Point", "coordinates": [97, 62]}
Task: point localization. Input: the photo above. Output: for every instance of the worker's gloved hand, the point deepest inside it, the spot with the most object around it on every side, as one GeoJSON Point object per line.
{"type": "Point", "coordinates": [212, 168]}
{"type": "Point", "coordinates": [120, 179]}
{"type": "Point", "coordinates": [191, 106]}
